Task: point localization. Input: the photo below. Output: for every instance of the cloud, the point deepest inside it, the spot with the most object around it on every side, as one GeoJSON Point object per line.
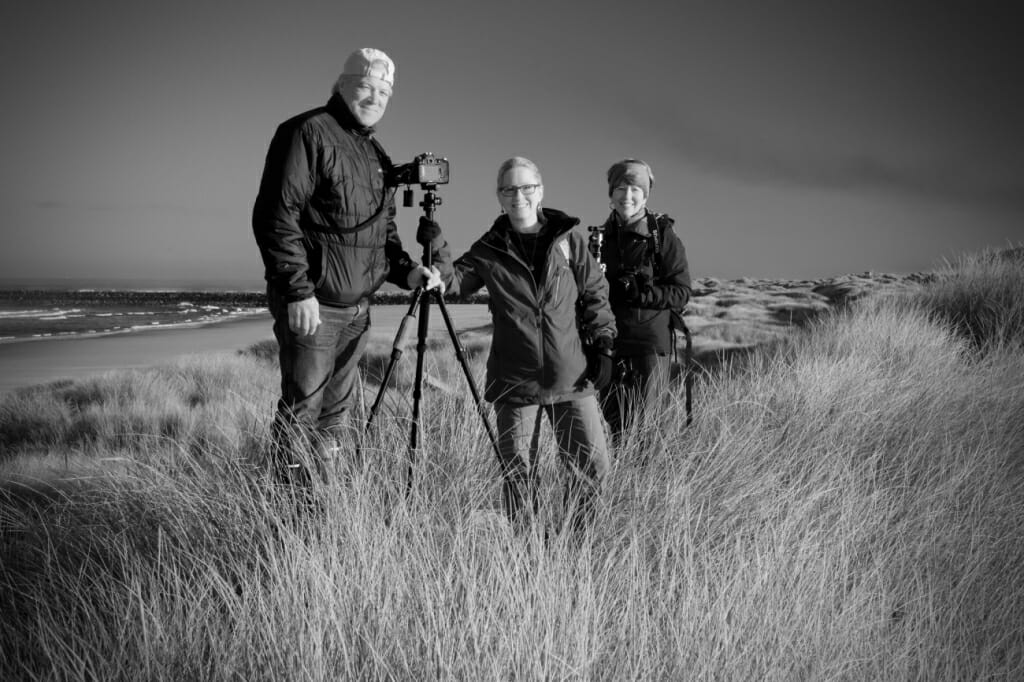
{"type": "Point", "coordinates": [753, 153]}
{"type": "Point", "coordinates": [743, 156]}
{"type": "Point", "coordinates": [858, 173]}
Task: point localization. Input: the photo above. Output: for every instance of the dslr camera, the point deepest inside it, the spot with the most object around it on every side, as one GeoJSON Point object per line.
{"type": "Point", "coordinates": [425, 169]}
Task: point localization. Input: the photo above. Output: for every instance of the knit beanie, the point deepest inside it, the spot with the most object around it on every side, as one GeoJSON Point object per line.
{"type": "Point", "coordinates": [368, 61]}
{"type": "Point", "coordinates": [631, 172]}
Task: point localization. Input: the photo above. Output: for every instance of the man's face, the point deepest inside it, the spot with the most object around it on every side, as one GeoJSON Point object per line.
{"type": "Point", "coordinates": [628, 200]}
{"type": "Point", "coordinates": [366, 97]}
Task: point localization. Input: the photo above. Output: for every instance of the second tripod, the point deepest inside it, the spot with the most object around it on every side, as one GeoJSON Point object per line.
{"type": "Point", "coordinates": [420, 305]}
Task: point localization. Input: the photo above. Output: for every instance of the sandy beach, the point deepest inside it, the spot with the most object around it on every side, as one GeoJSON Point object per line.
{"type": "Point", "coordinates": [41, 360]}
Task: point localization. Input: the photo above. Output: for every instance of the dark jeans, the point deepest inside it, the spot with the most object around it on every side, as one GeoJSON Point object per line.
{"type": "Point", "coordinates": [637, 388]}
{"type": "Point", "coordinates": [319, 379]}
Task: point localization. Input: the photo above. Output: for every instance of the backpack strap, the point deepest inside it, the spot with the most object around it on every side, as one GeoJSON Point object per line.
{"type": "Point", "coordinates": [657, 227]}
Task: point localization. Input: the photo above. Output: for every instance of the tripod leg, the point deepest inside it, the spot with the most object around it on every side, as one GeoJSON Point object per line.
{"type": "Point", "coordinates": [417, 391]}
{"type": "Point", "coordinates": [460, 353]}
{"type": "Point", "coordinates": [688, 381]}
{"type": "Point", "coordinates": [396, 353]}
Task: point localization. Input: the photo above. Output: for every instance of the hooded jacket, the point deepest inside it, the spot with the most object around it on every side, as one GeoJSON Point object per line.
{"type": "Point", "coordinates": [323, 217]}
{"type": "Point", "coordinates": [537, 353]}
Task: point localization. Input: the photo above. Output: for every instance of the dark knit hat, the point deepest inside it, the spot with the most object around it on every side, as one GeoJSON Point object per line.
{"type": "Point", "coordinates": [631, 172]}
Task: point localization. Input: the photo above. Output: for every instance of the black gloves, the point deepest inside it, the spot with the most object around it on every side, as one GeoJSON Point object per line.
{"type": "Point", "coordinates": [622, 290]}
{"type": "Point", "coordinates": [429, 233]}
{"type": "Point", "coordinates": [599, 361]}
{"type": "Point", "coordinates": [626, 288]}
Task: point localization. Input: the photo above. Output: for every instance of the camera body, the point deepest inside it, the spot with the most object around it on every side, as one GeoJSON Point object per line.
{"type": "Point", "coordinates": [425, 169]}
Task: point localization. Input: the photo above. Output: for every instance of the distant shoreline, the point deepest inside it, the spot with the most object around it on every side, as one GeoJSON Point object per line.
{"type": "Point", "coordinates": [156, 328]}
{"type": "Point", "coordinates": [241, 299]}
{"type": "Point", "coordinates": [28, 364]}
{"type": "Point", "coordinates": [43, 314]}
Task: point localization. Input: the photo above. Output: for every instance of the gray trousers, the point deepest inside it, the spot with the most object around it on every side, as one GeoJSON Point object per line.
{"type": "Point", "coordinates": [579, 432]}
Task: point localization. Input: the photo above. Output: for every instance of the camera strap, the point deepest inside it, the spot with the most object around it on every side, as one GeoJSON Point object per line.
{"type": "Point", "coordinates": [385, 161]}
{"type": "Point", "coordinates": [655, 229]}
{"type": "Point", "coordinates": [356, 228]}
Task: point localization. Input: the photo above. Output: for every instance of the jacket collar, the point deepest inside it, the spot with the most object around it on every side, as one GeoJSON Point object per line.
{"type": "Point", "coordinates": [639, 225]}
{"type": "Point", "coordinates": [557, 221]}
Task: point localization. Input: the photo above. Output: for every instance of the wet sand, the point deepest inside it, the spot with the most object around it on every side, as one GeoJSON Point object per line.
{"type": "Point", "coordinates": [41, 360]}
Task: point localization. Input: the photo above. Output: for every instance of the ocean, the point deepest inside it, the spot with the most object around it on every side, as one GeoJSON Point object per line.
{"type": "Point", "coordinates": [39, 313]}
{"type": "Point", "coordinates": [48, 308]}
{"type": "Point", "coordinates": [56, 333]}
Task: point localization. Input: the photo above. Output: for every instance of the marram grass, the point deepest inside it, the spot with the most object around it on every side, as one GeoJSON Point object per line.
{"type": "Point", "coordinates": [848, 504]}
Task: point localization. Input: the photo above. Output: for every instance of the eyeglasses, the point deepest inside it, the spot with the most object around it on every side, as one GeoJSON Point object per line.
{"type": "Point", "coordinates": [510, 190]}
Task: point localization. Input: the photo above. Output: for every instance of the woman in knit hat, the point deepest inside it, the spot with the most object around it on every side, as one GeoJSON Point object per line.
{"type": "Point", "coordinates": [648, 278]}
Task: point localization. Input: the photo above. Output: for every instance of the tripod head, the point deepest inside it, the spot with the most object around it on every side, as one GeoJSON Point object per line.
{"type": "Point", "coordinates": [429, 202]}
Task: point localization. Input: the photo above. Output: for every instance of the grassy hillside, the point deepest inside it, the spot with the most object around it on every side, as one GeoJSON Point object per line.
{"type": "Point", "coordinates": [848, 504]}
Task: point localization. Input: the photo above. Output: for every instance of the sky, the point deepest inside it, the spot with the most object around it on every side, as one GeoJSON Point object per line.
{"type": "Point", "coordinates": [788, 139]}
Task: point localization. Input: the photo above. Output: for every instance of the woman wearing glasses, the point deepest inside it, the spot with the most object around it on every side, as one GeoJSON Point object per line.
{"type": "Point", "coordinates": [543, 360]}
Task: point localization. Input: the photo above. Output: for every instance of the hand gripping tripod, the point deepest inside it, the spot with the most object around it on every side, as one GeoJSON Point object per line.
{"type": "Point", "coordinates": [421, 300]}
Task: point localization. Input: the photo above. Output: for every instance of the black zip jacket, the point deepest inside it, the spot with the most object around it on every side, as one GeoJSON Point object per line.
{"type": "Point", "coordinates": [537, 350]}
{"type": "Point", "coordinates": [323, 218]}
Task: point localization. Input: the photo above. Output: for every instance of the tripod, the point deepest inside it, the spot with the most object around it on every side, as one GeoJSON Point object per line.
{"type": "Point", "coordinates": [421, 301]}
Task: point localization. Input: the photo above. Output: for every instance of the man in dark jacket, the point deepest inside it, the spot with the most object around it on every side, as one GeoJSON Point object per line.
{"type": "Point", "coordinates": [324, 223]}
{"type": "Point", "coordinates": [649, 279]}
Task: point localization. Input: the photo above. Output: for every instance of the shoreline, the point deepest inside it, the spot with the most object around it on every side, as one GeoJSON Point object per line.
{"type": "Point", "coordinates": [97, 334]}
{"type": "Point", "coordinates": [30, 364]}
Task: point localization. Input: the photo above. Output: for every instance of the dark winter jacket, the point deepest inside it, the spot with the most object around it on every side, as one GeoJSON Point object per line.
{"type": "Point", "coordinates": [663, 280]}
{"type": "Point", "coordinates": [323, 219]}
{"type": "Point", "coordinates": [537, 353]}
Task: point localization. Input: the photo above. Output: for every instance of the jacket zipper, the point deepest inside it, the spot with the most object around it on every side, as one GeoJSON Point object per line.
{"type": "Point", "coordinates": [539, 316]}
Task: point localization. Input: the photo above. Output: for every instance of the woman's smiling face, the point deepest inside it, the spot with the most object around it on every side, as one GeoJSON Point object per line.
{"type": "Point", "coordinates": [520, 194]}
{"type": "Point", "coordinates": [628, 200]}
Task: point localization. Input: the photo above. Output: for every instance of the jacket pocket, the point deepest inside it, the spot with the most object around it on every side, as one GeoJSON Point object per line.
{"type": "Point", "coordinates": [316, 260]}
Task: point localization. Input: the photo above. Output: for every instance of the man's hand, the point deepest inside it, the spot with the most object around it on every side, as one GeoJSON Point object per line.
{"type": "Point", "coordinates": [420, 276]}
{"type": "Point", "coordinates": [429, 232]}
{"type": "Point", "coordinates": [304, 316]}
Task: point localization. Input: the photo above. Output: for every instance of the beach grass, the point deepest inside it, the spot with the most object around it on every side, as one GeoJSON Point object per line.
{"type": "Point", "coordinates": [847, 504]}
